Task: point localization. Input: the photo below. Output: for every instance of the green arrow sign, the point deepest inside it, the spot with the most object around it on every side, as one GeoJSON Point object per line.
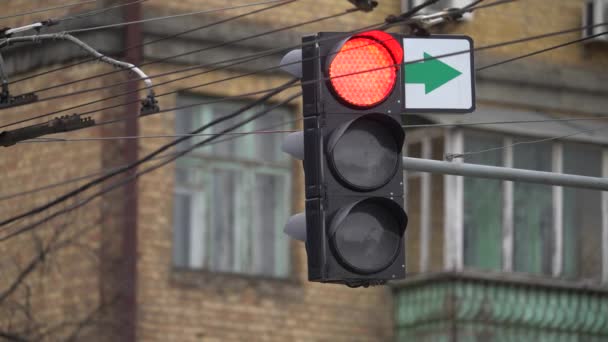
{"type": "Point", "coordinates": [433, 73]}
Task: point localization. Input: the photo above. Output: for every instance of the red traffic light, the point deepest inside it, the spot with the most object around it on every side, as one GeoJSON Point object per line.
{"type": "Point", "coordinates": [364, 70]}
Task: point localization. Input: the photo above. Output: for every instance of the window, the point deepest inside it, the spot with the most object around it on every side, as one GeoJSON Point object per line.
{"type": "Point", "coordinates": [501, 225]}
{"type": "Point", "coordinates": [483, 206]}
{"type": "Point", "coordinates": [232, 197]}
{"type": "Point", "coordinates": [540, 214]}
{"type": "Point", "coordinates": [582, 215]}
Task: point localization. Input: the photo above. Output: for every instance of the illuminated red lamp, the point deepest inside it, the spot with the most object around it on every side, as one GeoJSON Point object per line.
{"type": "Point", "coordinates": [363, 72]}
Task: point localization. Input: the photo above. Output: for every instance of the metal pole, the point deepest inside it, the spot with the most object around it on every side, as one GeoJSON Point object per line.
{"type": "Point", "coordinates": [505, 173]}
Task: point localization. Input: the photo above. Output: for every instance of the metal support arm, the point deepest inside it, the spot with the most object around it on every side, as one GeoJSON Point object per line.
{"type": "Point", "coordinates": [505, 173]}
{"type": "Point", "coordinates": [148, 101]}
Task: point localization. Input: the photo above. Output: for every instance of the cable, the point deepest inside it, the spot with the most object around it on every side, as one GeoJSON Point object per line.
{"type": "Point", "coordinates": [10, 196]}
{"type": "Point", "coordinates": [222, 44]}
{"type": "Point", "coordinates": [542, 51]}
{"type": "Point", "coordinates": [99, 11]}
{"type": "Point", "coordinates": [47, 9]}
{"type": "Point", "coordinates": [452, 156]}
{"type": "Point", "coordinates": [326, 78]}
{"type": "Point", "coordinates": [149, 156]}
{"type": "Point", "coordinates": [145, 171]}
{"type": "Point", "coordinates": [159, 136]}
{"type": "Point", "coordinates": [240, 59]}
{"type": "Point", "coordinates": [159, 39]}
{"type": "Point", "coordinates": [470, 124]}
{"type": "Point", "coordinates": [271, 52]}
{"type": "Point", "coordinates": [492, 4]}
{"type": "Point", "coordinates": [103, 27]}
{"type": "Point", "coordinates": [160, 157]}
{"type": "Point", "coordinates": [81, 189]}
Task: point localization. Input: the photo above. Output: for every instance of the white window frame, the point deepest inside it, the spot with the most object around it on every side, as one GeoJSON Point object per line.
{"type": "Point", "coordinates": [454, 206]}
{"type": "Point", "coordinates": [201, 174]}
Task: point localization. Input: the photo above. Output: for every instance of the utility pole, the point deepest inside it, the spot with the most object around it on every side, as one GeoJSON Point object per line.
{"type": "Point", "coordinates": [133, 37]}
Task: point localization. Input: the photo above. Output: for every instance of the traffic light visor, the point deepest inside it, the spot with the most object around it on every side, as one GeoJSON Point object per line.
{"type": "Point", "coordinates": [363, 70]}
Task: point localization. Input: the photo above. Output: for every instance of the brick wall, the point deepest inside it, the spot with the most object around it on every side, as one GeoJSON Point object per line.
{"type": "Point", "coordinates": [193, 306]}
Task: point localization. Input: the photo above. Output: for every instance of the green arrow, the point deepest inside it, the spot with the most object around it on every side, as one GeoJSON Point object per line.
{"type": "Point", "coordinates": [432, 72]}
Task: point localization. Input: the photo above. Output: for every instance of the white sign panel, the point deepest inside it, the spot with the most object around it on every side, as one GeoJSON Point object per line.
{"type": "Point", "coordinates": [439, 84]}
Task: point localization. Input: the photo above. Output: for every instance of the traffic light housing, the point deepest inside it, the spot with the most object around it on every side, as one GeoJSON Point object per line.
{"type": "Point", "coordinates": [351, 148]}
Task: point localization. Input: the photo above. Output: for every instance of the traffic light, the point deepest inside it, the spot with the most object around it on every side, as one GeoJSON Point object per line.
{"type": "Point", "coordinates": [351, 148]}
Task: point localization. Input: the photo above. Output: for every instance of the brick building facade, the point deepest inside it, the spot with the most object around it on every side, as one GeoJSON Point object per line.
{"type": "Point", "coordinates": [182, 292]}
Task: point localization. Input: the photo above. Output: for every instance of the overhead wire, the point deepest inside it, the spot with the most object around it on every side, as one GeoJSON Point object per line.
{"type": "Point", "coordinates": [96, 101]}
{"type": "Point", "coordinates": [242, 59]}
{"type": "Point", "coordinates": [249, 94]}
{"type": "Point", "coordinates": [5, 222]}
{"type": "Point", "coordinates": [441, 57]}
{"type": "Point", "coordinates": [327, 78]}
{"type": "Point", "coordinates": [469, 8]}
{"type": "Point", "coordinates": [272, 51]}
{"type": "Point", "coordinates": [207, 48]}
{"type": "Point", "coordinates": [160, 157]}
{"type": "Point", "coordinates": [451, 156]}
{"type": "Point", "coordinates": [467, 124]}
{"type": "Point", "coordinates": [181, 33]}
{"type": "Point", "coordinates": [48, 9]}
{"type": "Point", "coordinates": [156, 136]}
{"type": "Point", "coordinates": [537, 52]}
{"type": "Point", "coordinates": [98, 11]}
{"type": "Point", "coordinates": [145, 171]}
{"type": "Point", "coordinates": [174, 16]}
{"type": "Point", "coordinates": [148, 157]}
{"type": "Point", "coordinates": [212, 138]}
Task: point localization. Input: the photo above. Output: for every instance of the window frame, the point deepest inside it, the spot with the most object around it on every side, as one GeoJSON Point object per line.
{"type": "Point", "coordinates": [453, 207]}
{"type": "Point", "coordinates": [202, 164]}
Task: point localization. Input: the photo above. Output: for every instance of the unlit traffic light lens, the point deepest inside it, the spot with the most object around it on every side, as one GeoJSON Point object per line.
{"type": "Point", "coordinates": [364, 154]}
{"type": "Point", "coordinates": [368, 236]}
{"type": "Point", "coordinates": [370, 72]}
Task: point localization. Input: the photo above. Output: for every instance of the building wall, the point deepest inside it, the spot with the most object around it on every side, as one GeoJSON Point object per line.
{"type": "Point", "coordinates": [65, 284]}
{"type": "Point", "coordinates": [189, 305]}
{"type": "Point", "coordinates": [186, 305]}
{"type": "Point", "coordinates": [566, 82]}
{"type": "Point", "coordinates": [180, 305]}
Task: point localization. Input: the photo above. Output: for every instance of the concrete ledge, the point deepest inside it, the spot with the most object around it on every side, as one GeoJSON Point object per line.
{"type": "Point", "coordinates": [498, 278]}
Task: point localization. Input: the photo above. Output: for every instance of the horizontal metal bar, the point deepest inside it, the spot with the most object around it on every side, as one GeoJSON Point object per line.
{"type": "Point", "coordinates": [505, 173]}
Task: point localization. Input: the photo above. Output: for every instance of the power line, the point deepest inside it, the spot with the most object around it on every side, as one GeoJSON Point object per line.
{"type": "Point", "coordinates": [386, 24]}
{"type": "Point", "coordinates": [47, 9]}
{"type": "Point", "coordinates": [327, 78]}
{"type": "Point", "coordinates": [267, 69]}
{"type": "Point", "coordinates": [99, 11]}
{"type": "Point", "coordinates": [242, 59]}
{"type": "Point", "coordinates": [160, 157]}
{"type": "Point", "coordinates": [272, 51]}
{"type": "Point", "coordinates": [555, 47]}
{"type": "Point", "coordinates": [237, 135]}
{"type": "Point", "coordinates": [103, 27]}
{"type": "Point", "coordinates": [160, 39]}
{"type": "Point", "coordinates": [451, 156]}
{"type": "Point", "coordinates": [59, 199]}
{"type": "Point", "coordinates": [148, 157]}
{"type": "Point", "coordinates": [158, 136]}
{"type": "Point", "coordinates": [145, 171]}
{"type": "Point", "coordinates": [470, 124]}
{"type": "Point", "coordinates": [207, 48]}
